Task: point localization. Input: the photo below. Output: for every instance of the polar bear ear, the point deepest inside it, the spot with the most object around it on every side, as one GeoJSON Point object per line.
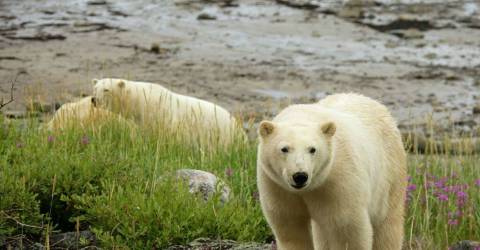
{"type": "Point", "coordinates": [94, 81]}
{"type": "Point", "coordinates": [266, 128]}
{"type": "Point", "coordinates": [121, 84]}
{"type": "Point", "coordinates": [328, 129]}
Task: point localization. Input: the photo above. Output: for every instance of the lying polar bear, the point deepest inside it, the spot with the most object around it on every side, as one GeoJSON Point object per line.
{"type": "Point", "coordinates": [185, 116]}
{"type": "Point", "coordinates": [83, 114]}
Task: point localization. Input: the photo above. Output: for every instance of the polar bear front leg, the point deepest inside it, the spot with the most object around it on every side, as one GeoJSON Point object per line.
{"type": "Point", "coordinates": [344, 232]}
{"type": "Point", "coordinates": [291, 232]}
{"type": "Point", "coordinates": [287, 216]}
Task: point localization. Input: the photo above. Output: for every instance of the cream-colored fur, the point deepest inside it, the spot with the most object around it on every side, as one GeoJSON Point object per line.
{"type": "Point", "coordinates": [354, 195]}
{"type": "Point", "coordinates": [148, 102]}
{"type": "Point", "coordinates": [82, 113]}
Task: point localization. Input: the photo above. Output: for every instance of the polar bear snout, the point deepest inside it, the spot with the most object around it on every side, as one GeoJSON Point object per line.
{"type": "Point", "coordinates": [300, 180]}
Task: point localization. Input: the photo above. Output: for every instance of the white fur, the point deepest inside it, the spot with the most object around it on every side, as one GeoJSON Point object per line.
{"type": "Point", "coordinates": [148, 102]}
{"type": "Point", "coordinates": [82, 113]}
{"type": "Point", "coordinates": [354, 196]}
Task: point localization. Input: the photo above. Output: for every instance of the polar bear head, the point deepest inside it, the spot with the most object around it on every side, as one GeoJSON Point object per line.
{"type": "Point", "coordinates": [105, 89]}
{"type": "Point", "coordinates": [110, 93]}
{"type": "Point", "coordinates": [296, 156]}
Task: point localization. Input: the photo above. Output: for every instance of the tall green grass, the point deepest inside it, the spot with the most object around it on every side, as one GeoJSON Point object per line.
{"type": "Point", "coordinates": [117, 184]}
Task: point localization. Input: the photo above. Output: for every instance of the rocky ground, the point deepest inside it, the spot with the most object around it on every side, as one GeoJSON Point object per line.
{"type": "Point", "coordinates": [252, 56]}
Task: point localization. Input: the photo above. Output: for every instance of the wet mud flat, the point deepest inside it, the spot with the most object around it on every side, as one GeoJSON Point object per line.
{"type": "Point", "coordinates": [421, 59]}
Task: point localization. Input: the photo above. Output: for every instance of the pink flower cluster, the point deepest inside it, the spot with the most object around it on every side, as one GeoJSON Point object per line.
{"type": "Point", "coordinates": [447, 190]}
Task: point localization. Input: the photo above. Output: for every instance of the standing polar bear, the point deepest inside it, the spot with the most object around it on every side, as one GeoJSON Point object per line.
{"type": "Point", "coordinates": [185, 116]}
{"type": "Point", "coordinates": [332, 175]}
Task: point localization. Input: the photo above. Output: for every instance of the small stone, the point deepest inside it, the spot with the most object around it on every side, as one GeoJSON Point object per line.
{"type": "Point", "coordinates": [204, 183]}
{"type": "Point", "coordinates": [73, 240]}
{"type": "Point", "coordinates": [476, 109]}
{"type": "Point", "coordinates": [408, 33]}
{"type": "Point", "coordinates": [316, 34]}
{"type": "Point", "coordinates": [155, 48]}
{"type": "Point", "coordinates": [97, 2]}
{"type": "Point", "coordinates": [452, 76]}
{"type": "Point", "coordinates": [420, 45]}
{"type": "Point", "coordinates": [476, 82]}
{"type": "Point", "coordinates": [207, 243]}
{"type": "Point", "coordinates": [206, 16]}
{"type": "Point", "coordinates": [431, 56]}
{"type": "Point", "coordinates": [391, 44]}
{"type": "Point", "coordinates": [465, 245]}
{"type": "Point", "coordinates": [351, 13]}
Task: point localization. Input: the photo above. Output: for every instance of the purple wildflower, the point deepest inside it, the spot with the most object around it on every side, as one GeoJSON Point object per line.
{"type": "Point", "coordinates": [411, 187]}
{"type": "Point", "coordinates": [477, 182]}
{"type": "Point", "coordinates": [51, 138]}
{"type": "Point", "coordinates": [440, 183]}
{"type": "Point", "coordinates": [442, 197]}
{"type": "Point", "coordinates": [229, 172]}
{"type": "Point", "coordinates": [461, 198]}
{"type": "Point", "coordinates": [455, 214]}
{"type": "Point", "coordinates": [85, 140]}
{"type": "Point", "coordinates": [461, 194]}
{"type": "Point", "coordinates": [452, 222]}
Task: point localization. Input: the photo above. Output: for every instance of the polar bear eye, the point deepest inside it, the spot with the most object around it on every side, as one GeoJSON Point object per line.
{"type": "Point", "coordinates": [284, 149]}
{"type": "Point", "coordinates": [312, 150]}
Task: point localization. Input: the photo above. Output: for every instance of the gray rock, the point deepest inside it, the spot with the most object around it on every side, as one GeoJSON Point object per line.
{"type": "Point", "coordinates": [206, 16]}
{"type": "Point", "coordinates": [476, 82]}
{"type": "Point", "coordinates": [155, 48]}
{"type": "Point", "coordinates": [70, 240]}
{"type": "Point", "coordinates": [97, 2]}
{"type": "Point", "coordinates": [206, 243]}
{"type": "Point", "coordinates": [476, 109]}
{"type": "Point", "coordinates": [466, 245]}
{"type": "Point", "coordinates": [204, 183]}
{"type": "Point", "coordinates": [408, 33]}
{"type": "Point", "coordinates": [73, 240]}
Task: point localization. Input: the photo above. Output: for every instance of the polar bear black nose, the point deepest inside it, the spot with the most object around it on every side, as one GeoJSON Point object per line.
{"type": "Point", "coordinates": [300, 178]}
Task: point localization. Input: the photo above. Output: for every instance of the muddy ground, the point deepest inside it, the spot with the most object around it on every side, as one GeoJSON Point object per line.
{"type": "Point", "coordinates": [252, 56]}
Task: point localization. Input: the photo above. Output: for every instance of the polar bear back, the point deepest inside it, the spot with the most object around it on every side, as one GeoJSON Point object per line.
{"type": "Point", "coordinates": [81, 113]}
{"type": "Point", "coordinates": [181, 108]}
{"type": "Point", "coordinates": [151, 103]}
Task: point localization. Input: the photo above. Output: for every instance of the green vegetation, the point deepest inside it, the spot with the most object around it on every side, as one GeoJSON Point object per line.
{"type": "Point", "coordinates": [115, 183]}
